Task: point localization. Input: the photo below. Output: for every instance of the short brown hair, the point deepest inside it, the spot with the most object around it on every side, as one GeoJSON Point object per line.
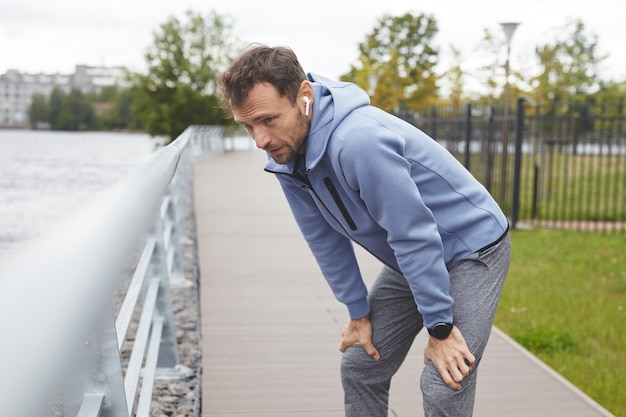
{"type": "Point", "coordinates": [277, 66]}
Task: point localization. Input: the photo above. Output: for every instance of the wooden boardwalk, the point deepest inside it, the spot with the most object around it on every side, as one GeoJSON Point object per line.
{"type": "Point", "coordinates": [271, 327]}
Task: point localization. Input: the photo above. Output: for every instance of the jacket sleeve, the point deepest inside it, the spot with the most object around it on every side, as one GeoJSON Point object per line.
{"type": "Point", "coordinates": [376, 166]}
{"type": "Point", "coordinates": [333, 252]}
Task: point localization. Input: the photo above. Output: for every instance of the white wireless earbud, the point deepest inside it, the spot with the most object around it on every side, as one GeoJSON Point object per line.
{"type": "Point", "coordinates": [307, 103]}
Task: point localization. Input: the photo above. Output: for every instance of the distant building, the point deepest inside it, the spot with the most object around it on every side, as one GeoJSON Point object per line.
{"type": "Point", "coordinates": [17, 88]}
{"type": "Point", "coordinates": [89, 79]}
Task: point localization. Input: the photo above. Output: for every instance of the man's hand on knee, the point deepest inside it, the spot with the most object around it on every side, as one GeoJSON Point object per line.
{"type": "Point", "coordinates": [359, 332]}
{"type": "Point", "coordinates": [451, 357]}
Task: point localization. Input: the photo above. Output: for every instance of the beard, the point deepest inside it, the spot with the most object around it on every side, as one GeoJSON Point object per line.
{"type": "Point", "coordinates": [301, 134]}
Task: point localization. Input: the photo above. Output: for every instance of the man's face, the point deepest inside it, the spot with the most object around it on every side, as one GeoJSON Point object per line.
{"type": "Point", "coordinates": [276, 125]}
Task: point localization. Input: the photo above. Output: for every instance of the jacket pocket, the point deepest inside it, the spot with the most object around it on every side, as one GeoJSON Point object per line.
{"type": "Point", "coordinates": [342, 208]}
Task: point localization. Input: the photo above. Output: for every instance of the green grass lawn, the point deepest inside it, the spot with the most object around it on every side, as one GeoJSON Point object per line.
{"type": "Point", "coordinates": [565, 301]}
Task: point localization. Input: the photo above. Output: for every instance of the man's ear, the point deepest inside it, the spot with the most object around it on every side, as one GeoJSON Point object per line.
{"type": "Point", "coordinates": [306, 89]}
{"type": "Point", "coordinates": [306, 95]}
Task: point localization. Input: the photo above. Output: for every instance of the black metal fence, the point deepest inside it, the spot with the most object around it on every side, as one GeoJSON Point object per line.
{"type": "Point", "coordinates": [547, 165]}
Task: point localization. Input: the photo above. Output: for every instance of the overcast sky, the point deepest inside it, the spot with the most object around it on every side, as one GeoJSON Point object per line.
{"type": "Point", "coordinates": [54, 36]}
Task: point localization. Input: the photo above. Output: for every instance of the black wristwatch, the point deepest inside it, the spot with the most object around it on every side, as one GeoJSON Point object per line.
{"type": "Point", "coordinates": [440, 331]}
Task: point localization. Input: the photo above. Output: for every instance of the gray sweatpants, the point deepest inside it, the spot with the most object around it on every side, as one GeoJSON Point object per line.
{"type": "Point", "coordinates": [475, 286]}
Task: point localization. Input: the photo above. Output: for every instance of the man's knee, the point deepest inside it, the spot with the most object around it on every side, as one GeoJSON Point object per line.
{"type": "Point", "coordinates": [357, 364]}
{"type": "Point", "coordinates": [358, 368]}
{"type": "Point", "coordinates": [365, 382]}
{"type": "Point", "coordinates": [441, 400]}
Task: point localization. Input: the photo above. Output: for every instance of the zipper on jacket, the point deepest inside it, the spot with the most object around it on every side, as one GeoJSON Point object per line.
{"type": "Point", "coordinates": [342, 208]}
{"type": "Point", "coordinates": [304, 179]}
{"type": "Point", "coordinates": [301, 176]}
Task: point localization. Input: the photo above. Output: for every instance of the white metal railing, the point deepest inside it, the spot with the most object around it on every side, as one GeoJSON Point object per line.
{"type": "Point", "coordinates": [57, 325]}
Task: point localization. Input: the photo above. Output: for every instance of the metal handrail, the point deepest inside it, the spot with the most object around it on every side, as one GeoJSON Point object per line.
{"type": "Point", "coordinates": [56, 319]}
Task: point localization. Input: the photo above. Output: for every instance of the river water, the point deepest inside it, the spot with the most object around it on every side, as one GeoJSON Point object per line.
{"type": "Point", "coordinates": [47, 176]}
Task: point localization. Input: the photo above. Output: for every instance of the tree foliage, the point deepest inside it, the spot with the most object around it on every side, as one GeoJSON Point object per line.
{"type": "Point", "coordinates": [108, 109]}
{"type": "Point", "coordinates": [569, 65]}
{"type": "Point", "coordinates": [76, 113]}
{"type": "Point", "coordinates": [455, 78]}
{"type": "Point", "coordinates": [39, 111]}
{"type": "Point", "coordinates": [63, 111]}
{"type": "Point", "coordinates": [184, 63]}
{"type": "Point", "coordinates": [397, 65]}
{"type": "Point", "coordinates": [491, 73]}
{"type": "Point", "coordinates": [397, 61]}
{"type": "Point", "coordinates": [115, 104]}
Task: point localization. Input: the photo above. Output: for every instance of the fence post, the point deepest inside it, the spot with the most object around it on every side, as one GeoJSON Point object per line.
{"type": "Point", "coordinates": [535, 201]}
{"type": "Point", "coordinates": [517, 165]}
{"type": "Point", "coordinates": [490, 150]}
{"type": "Point", "coordinates": [433, 122]}
{"type": "Point", "coordinates": [468, 135]}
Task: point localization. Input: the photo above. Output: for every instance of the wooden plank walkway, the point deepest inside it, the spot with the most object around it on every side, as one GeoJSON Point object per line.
{"type": "Point", "coordinates": [271, 327]}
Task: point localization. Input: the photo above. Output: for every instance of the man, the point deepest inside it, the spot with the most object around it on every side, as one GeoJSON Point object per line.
{"type": "Point", "coordinates": [353, 173]}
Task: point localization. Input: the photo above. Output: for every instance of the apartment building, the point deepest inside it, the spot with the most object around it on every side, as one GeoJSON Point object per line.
{"type": "Point", "coordinates": [17, 88]}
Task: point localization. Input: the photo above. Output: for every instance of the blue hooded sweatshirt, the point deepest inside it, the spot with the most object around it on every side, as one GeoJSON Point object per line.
{"type": "Point", "coordinates": [369, 177]}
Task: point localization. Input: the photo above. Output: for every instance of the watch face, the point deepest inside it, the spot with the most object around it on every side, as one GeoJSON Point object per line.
{"type": "Point", "coordinates": [441, 330]}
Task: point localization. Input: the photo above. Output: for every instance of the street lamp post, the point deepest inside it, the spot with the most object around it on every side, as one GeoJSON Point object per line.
{"type": "Point", "coordinates": [509, 29]}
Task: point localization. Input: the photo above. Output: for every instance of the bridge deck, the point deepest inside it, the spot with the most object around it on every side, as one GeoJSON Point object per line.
{"type": "Point", "coordinates": [271, 327]}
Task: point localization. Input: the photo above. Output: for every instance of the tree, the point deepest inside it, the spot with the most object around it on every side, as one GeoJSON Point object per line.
{"type": "Point", "coordinates": [569, 66]}
{"type": "Point", "coordinates": [75, 113]}
{"type": "Point", "coordinates": [455, 78]}
{"type": "Point", "coordinates": [396, 63]}
{"type": "Point", "coordinates": [115, 104]}
{"type": "Point", "coordinates": [184, 64]}
{"type": "Point", "coordinates": [492, 71]}
{"type": "Point", "coordinates": [122, 110]}
{"type": "Point", "coordinates": [56, 103]}
{"type": "Point", "coordinates": [38, 111]}
{"type": "Point", "coordinates": [108, 109]}
{"type": "Point", "coordinates": [611, 92]}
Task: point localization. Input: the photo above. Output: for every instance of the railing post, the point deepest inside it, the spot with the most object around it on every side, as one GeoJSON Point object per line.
{"type": "Point", "coordinates": [168, 350]}
{"type": "Point", "coordinates": [174, 217]}
{"type": "Point", "coordinates": [100, 373]}
{"type": "Point", "coordinates": [182, 197]}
